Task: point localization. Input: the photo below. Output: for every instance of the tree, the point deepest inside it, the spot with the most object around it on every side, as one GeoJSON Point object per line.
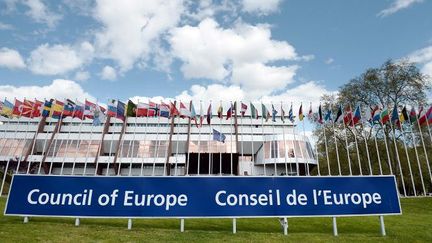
{"type": "Point", "coordinates": [394, 83]}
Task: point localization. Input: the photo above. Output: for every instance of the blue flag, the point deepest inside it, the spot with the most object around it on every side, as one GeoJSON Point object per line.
{"type": "Point", "coordinates": [274, 112]}
{"type": "Point", "coordinates": [218, 136]}
{"type": "Point", "coordinates": [328, 115]}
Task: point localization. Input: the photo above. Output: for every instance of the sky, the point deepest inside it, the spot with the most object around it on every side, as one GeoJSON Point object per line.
{"type": "Point", "coordinates": [269, 50]}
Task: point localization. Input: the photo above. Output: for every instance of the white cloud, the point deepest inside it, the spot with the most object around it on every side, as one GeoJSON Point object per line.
{"type": "Point", "coordinates": [40, 13]}
{"type": "Point", "coordinates": [108, 73]}
{"type": "Point", "coordinates": [59, 59]}
{"type": "Point", "coordinates": [424, 57]}
{"type": "Point", "coordinates": [11, 59]}
{"type": "Point", "coordinates": [58, 89]}
{"type": "Point", "coordinates": [132, 29]}
{"type": "Point", "coordinates": [262, 7]}
{"type": "Point", "coordinates": [213, 92]}
{"type": "Point", "coordinates": [4, 26]}
{"type": "Point", "coordinates": [82, 75]}
{"type": "Point", "coordinates": [396, 6]}
{"type": "Point", "coordinates": [209, 51]}
{"type": "Point", "coordinates": [329, 61]}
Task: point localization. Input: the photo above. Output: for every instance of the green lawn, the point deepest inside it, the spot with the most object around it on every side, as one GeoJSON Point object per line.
{"type": "Point", "coordinates": [413, 226]}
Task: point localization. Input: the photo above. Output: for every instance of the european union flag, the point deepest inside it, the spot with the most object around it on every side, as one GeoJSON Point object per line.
{"type": "Point", "coordinates": [218, 136]}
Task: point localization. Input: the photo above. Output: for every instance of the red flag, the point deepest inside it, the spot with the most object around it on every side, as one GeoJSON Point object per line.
{"type": "Point", "coordinates": [173, 110]}
{"type": "Point", "coordinates": [27, 108]}
{"type": "Point", "coordinates": [17, 109]}
{"type": "Point", "coordinates": [348, 116]}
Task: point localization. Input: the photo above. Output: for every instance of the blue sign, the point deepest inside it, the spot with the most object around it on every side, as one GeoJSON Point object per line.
{"type": "Point", "coordinates": [134, 197]}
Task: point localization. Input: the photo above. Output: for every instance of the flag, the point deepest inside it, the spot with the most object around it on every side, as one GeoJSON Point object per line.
{"type": "Point", "coordinates": [395, 115]}
{"type": "Point", "coordinates": [370, 115]}
{"type": "Point", "coordinates": [265, 112]}
{"type": "Point", "coordinates": [79, 110]}
{"type": "Point", "coordinates": [300, 113]}
{"type": "Point", "coordinates": [47, 108]}
{"type": "Point", "coordinates": [376, 117]}
{"type": "Point", "coordinates": [193, 114]}
{"type": "Point", "coordinates": [243, 109]}
{"type": "Point", "coordinates": [164, 110]}
{"type": "Point", "coordinates": [218, 136]}
{"type": "Point", "coordinates": [68, 108]}
{"type": "Point", "coordinates": [142, 109]}
{"type": "Point", "coordinates": [220, 111]}
{"type": "Point", "coordinates": [338, 114]}
{"type": "Point", "coordinates": [310, 114]}
{"type": "Point", "coordinates": [173, 110]}
{"type": "Point", "coordinates": [229, 112]}
{"type": "Point", "coordinates": [184, 112]}
{"type": "Point", "coordinates": [274, 112]}
{"type": "Point", "coordinates": [357, 116]}
{"type": "Point", "coordinates": [17, 109]}
{"type": "Point", "coordinates": [27, 108]}
{"type": "Point", "coordinates": [131, 109]}
{"type": "Point", "coordinates": [89, 108]}
{"type": "Point", "coordinates": [37, 108]}
{"type": "Point", "coordinates": [404, 115]}
{"type": "Point", "coordinates": [254, 111]}
{"type": "Point", "coordinates": [426, 118]}
{"type": "Point", "coordinates": [57, 109]}
{"type": "Point", "coordinates": [209, 114]}
{"type": "Point", "coordinates": [112, 108]}
{"type": "Point", "coordinates": [320, 116]}
{"type": "Point", "coordinates": [7, 108]}
{"type": "Point", "coordinates": [282, 114]}
{"type": "Point", "coordinates": [98, 116]}
{"type": "Point", "coordinates": [348, 116]}
{"type": "Point", "coordinates": [291, 114]}
{"type": "Point", "coordinates": [121, 110]}
{"type": "Point", "coordinates": [384, 116]}
{"type": "Point", "coordinates": [413, 115]}
{"type": "Point", "coordinates": [327, 117]}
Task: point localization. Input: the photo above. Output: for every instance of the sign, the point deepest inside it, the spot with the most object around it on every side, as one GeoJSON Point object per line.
{"type": "Point", "coordinates": [135, 197]}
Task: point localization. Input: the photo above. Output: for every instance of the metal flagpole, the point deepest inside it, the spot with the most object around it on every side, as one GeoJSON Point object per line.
{"type": "Point", "coordinates": [367, 147]}
{"type": "Point", "coordinates": [155, 154]}
{"type": "Point", "coordinates": [347, 148]}
{"type": "Point", "coordinates": [417, 156]}
{"type": "Point", "coordinates": [189, 130]}
{"type": "Point", "coordinates": [408, 159]}
{"type": "Point", "coordinates": [263, 138]}
{"type": "Point", "coordinates": [79, 138]}
{"type": "Point", "coordinates": [67, 140]}
{"type": "Point", "coordinates": [177, 144]}
{"type": "Point", "coordinates": [304, 135]}
{"type": "Point", "coordinates": [144, 141]}
{"type": "Point", "coordinates": [89, 145]}
{"type": "Point", "coordinates": [19, 142]}
{"type": "Point", "coordinates": [252, 140]}
{"type": "Point", "coordinates": [297, 142]}
{"type": "Point", "coordinates": [57, 134]}
{"type": "Point", "coordinates": [231, 140]}
{"type": "Point", "coordinates": [272, 144]}
{"type": "Point", "coordinates": [424, 148]}
{"type": "Point", "coordinates": [356, 142]}
{"type": "Point", "coordinates": [326, 149]}
{"type": "Point", "coordinates": [398, 159]}
{"type": "Point", "coordinates": [377, 149]}
{"type": "Point", "coordinates": [220, 152]}
{"type": "Point", "coordinates": [209, 141]}
{"type": "Point", "coordinates": [33, 143]}
{"type": "Point", "coordinates": [111, 144]}
{"type": "Point", "coordinates": [199, 139]}
{"type": "Point", "coordinates": [25, 135]}
{"type": "Point", "coordinates": [284, 141]}
{"type": "Point", "coordinates": [430, 137]}
{"type": "Point", "coordinates": [133, 142]}
{"type": "Point", "coordinates": [45, 142]}
{"type": "Point", "coordinates": [241, 131]}
{"type": "Point", "coordinates": [336, 145]}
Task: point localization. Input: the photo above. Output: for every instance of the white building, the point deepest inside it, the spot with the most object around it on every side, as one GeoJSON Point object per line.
{"type": "Point", "coordinates": [154, 146]}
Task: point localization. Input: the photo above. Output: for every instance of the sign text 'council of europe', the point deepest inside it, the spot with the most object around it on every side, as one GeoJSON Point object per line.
{"type": "Point", "coordinates": [81, 196]}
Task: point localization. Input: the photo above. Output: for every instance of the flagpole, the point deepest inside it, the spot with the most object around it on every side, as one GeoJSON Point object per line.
{"type": "Point", "coordinates": [177, 144]}
{"type": "Point", "coordinates": [144, 142]}
{"type": "Point", "coordinates": [398, 159]}
{"type": "Point", "coordinates": [408, 158]}
{"type": "Point", "coordinates": [347, 148]}
{"type": "Point", "coordinates": [242, 135]}
{"type": "Point", "coordinates": [430, 137]}
{"type": "Point", "coordinates": [155, 154]}
{"type": "Point", "coordinates": [111, 143]}
{"type": "Point", "coordinates": [417, 156]}
{"type": "Point", "coordinates": [231, 140]}
{"type": "Point", "coordinates": [210, 136]}
{"type": "Point", "coordinates": [252, 140]}
{"type": "Point", "coordinates": [284, 140]}
{"type": "Point", "coordinates": [55, 150]}
{"type": "Point", "coordinates": [25, 138]}
{"type": "Point", "coordinates": [354, 131]}
{"type": "Point", "coordinates": [424, 148]}
{"type": "Point", "coordinates": [188, 137]}
{"type": "Point", "coordinates": [220, 152]}
{"type": "Point", "coordinates": [46, 137]}
{"type": "Point", "coordinates": [67, 139]}
{"type": "Point", "coordinates": [263, 139]}
{"type": "Point", "coordinates": [366, 145]}
{"type": "Point", "coordinates": [79, 138]}
{"type": "Point", "coordinates": [199, 139]}
{"type": "Point", "coordinates": [89, 145]}
{"type": "Point", "coordinates": [336, 145]}
{"type": "Point", "coordinates": [376, 147]}
{"type": "Point", "coordinates": [3, 146]}
{"type": "Point", "coordinates": [34, 141]}
{"type": "Point", "coordinates": [272, 143]}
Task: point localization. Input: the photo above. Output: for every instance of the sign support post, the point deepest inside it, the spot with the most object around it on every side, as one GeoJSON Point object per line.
{"type": "Point", "coordinates": [234, 220]}
{"type": "Point", "coordinates": [77, 222]}
{"type": "Point", "coordinates": [335, 230]}
{"type": "Point", "coordinates": [129, 224]}
{"type": "Point", "coordinates": [285, 225]}
{"type": "Point", "coordinates": [383, 231]}
{"type": "Point", "coordinates": [182, 225]}
{"type": "Point", "coordinates": [26, 219]}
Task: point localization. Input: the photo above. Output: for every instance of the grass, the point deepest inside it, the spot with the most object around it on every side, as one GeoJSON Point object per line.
{"type": "Point", "coordinates": [413, 226]}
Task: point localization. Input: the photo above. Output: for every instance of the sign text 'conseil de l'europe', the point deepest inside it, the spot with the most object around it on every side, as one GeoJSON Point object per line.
{"type": "Point", "coordinates": [201, 196]}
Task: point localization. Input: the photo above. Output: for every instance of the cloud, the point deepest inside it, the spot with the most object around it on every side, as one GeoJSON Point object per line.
{"type": "Point", "coordinates": [424, 57]}
{"type": "Point", "coordinates": [82, 75]}
{"type": "Point", "coordinates": [4, 26]}
{"type": "Point", "coordinates": [329, 61]}
{"type": "Point", "coordinates": [11, 59]}
{"type": "Point", "coordinates": [59, 59]}
{"type": "Point", "coordinates": [58, 89]}
{"type": "Point", "coordinates": [230, 54]}
{"type": "Point", "coordinates": [261, 7]}
{"type": "Point", "coordinates": [37, 10]}
{"type": "Point", "coordinates": [396, 6]}
{"type": "Point", "coordinates": [131, 32]}
{"type": "Point", "coordinates": [108, 73]}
